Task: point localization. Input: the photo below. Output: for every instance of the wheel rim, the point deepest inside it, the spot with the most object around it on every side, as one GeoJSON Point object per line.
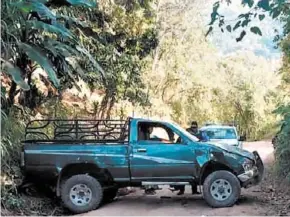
{"type": "Point", "coordinates": [221, 189]}
{"type": "Point", "coordinates": [80, 195]}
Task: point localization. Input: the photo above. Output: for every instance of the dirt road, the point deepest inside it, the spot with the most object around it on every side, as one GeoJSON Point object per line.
{"type": "Point", "coordinates": [250, 203]}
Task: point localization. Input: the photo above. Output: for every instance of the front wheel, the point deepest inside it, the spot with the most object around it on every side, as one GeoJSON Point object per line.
{"type": "Point", "coordinates": [221, 189]}
{"type": "Point", "coordinates": [81, 193]}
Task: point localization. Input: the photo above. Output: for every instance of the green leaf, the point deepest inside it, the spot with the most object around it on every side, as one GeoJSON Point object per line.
{"type": "Point", "coordinates": [3, 91]}
{"type": "Point", "coordinates": [209, 31]}
{"type": "Point", "coordinates": [41, 1]}
{"type": "Point", "coordinates": [250, 3]}
{"type": "Point", "coordinates": [76, 67]}
{"type": "Point", "coordinates": [242, 35]}
{"type": "Point", "coordinates": [92, 59]}
{"type": "Point", "coordinates": [214, 13]}
{"type": "Point", "coordinates": [59, 48]}
{"type": "Point", "coordinates": [261, 17]}
{"type": "Point", "coordinates": [72, 20]}
{"type": "Point", "coordinates": [3, 116]}
{"type": "Point", "coordinates": [85, 3]}
{"type": "Point", "coordinates": [37, 6]}
{"type": "Point", "coordinates": [70, 74]}
{"type": "Point", "coordinates": [15, 73]}
{"type": "Point", "coordinates": [56, 28]}
{"type": "Point", "coordinates": [256, 30]}
{"type": "Point", "coordinates": [216, 5]}
{"type": "Point", "coordinates": [229, 28]}
{"type": "Point", "coordinates": [213, 18]}
{"type": "Point", "coordinates": [48, 44]}
{"type": "Point", "coordinates": [264, 4]}
{"type": "Point", "coordinates": [275, 13]}
{"type": "Point", "coordinates": [241, 16]}
{"type": "Point", "coordinates": [238, 24]}
{"type": "Point", "coordinates": [245, 22]}
{"type": "Point", "coordinates": [41, 59]}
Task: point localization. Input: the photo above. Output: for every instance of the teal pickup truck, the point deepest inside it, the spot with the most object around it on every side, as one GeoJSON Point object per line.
{"type": "Point", "coordinates": [87, 161]}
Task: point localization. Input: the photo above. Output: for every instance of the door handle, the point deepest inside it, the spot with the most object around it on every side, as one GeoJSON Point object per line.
{"type": "Point", "coordinates": [141, 150]}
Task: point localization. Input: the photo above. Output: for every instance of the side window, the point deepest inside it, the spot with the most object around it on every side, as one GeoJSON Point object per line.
{"type": "Point", "coordinates": [157, 132]}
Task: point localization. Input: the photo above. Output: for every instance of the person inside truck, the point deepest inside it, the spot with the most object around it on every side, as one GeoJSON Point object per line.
{"type": "Point", "coordinates": [145, 133]}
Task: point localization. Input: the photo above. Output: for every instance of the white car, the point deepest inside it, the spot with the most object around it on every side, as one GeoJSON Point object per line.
{"type": "Point", "coordinates": [224, 135]}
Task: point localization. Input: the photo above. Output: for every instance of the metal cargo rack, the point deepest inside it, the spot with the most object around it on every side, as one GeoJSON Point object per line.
{"type": "Point", "coordinates": [77, 130]}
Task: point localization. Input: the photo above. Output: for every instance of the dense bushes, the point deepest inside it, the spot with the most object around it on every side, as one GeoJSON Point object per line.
{"type": "Point", "coordinates": [12, 131]}
{"type": "Point", "coordinates": [282, 143]}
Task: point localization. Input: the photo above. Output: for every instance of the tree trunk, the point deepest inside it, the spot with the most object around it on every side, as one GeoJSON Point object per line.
{"type": "Point", "coordinates": [103, 106]}
{"type": "Point", "coordinates": [11, 94]}
{"type": "Point", "coordinates": [111, 105]}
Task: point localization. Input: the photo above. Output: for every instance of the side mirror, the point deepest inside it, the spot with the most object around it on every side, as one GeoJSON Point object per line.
{"type": "Point", "coordinates": [242, 138]}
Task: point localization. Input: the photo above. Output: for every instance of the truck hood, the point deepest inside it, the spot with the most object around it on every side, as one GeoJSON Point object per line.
{"type": "Point", "coordinates": [232, 149]}
{"type": "Point", "coordinates": [225, 141]}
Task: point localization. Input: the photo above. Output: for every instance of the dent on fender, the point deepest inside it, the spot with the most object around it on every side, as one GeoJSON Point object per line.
{"type": "Point", "coordinates": [204, 156]}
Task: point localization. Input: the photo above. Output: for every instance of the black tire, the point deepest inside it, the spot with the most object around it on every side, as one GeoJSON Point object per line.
{"type": "Point", "coordinates": [109, 195]}
{"type": "Point", "coordinates": [231, 179]}
{"type": "Point", "coordinates": [91, 183]}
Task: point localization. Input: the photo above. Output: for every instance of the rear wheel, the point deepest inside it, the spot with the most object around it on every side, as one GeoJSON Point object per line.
{"type": "Point", "coordinates": [81, 193]}
{"type": "Point", "coordinates": [221, 189]}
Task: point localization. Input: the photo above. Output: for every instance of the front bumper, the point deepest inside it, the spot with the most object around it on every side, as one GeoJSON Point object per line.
{"type": "Point", "coordinates": [255, 175]}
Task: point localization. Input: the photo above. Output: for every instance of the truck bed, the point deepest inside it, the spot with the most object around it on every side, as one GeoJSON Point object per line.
{"type": "Point", "coordinates": [53, 144]}
{"type": "Point", "coordinates": [46, 160]}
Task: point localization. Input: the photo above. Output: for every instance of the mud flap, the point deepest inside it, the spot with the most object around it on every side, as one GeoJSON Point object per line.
{"type": "Point", "coordinates": [260, 167]}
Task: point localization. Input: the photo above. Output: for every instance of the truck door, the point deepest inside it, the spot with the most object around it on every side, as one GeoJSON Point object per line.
{"type": "Point", "coordinates": [160, 154]}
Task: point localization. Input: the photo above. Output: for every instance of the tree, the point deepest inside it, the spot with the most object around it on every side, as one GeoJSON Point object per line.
{"type": "Point", "coordinates": [32, 36]}
{"type": "Point", "coordinates": [120, 35]}
{"type": "Point", "coordinates": [188, 80]}
{"type": "Point", "coordinates": [276, 9]}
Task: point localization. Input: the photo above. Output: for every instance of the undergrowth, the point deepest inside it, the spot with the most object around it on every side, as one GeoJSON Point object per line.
{"type": "Point", "coordinates": [12, 131]}
{"type": "Point", "coordinates": [14, 202]}
{"type": "Point", "coordinates": [282, 146]}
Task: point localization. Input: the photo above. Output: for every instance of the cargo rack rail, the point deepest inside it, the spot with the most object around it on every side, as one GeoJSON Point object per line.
{"type": "Point", "coordinates": [76, 131]}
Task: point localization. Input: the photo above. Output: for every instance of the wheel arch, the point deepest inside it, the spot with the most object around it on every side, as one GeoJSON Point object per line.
{"type": "Point", "coordinates": [103, 175]}
{"type": "Point", "coordinates": [211, 167]}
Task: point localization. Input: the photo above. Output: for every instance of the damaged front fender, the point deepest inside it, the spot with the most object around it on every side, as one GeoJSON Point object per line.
{"type": "Point", "coordinates": [254, 175]}
{"type": "Point", "coordinates": [210, 159]}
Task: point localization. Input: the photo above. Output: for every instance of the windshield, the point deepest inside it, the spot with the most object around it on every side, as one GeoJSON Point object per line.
{"type": "Point", "coordinates": [221, 133]}
{"type": "Point", "coordinates": [187, 134]}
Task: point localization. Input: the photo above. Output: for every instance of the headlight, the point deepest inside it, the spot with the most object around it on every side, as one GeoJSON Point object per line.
{"type": "Point", "coordinates": [248, 164]}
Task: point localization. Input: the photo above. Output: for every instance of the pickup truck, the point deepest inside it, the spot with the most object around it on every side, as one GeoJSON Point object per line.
{"type": "Point", "coordinates": [87, 161]}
